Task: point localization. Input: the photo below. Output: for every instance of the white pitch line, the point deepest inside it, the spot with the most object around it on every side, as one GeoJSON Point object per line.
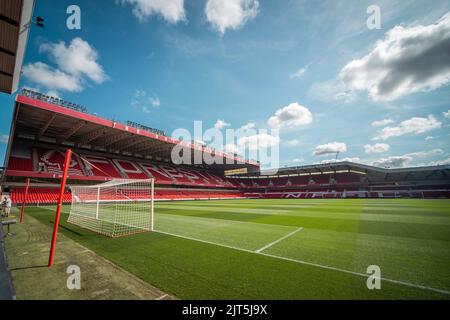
{"type": "Point", "coordinates": [162, 297]}
{"type": "Point", "coordinates": [407, 284]}
{"type": "Point", "coordinates": [278, 241]}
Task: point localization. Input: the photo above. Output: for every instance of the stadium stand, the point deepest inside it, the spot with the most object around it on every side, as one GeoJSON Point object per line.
{"type": "Point", "coordinates": [44, 127]}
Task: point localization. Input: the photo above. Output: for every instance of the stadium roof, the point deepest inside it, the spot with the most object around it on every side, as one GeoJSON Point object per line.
{"type": "Point", "coordinates": [15, 18]}
{"type": "Point", "coordinates": [415, 173]}
{"type": "Point", "coordinates": [41, 119]}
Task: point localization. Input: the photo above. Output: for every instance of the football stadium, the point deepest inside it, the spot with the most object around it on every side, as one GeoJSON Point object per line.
{"type": "Point", "coordinates": [105, 198]}
{"type": "Point", "coordinates": [317, 225]}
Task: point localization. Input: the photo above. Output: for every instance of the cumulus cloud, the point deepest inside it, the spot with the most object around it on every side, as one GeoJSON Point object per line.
{"type": "Point", "coordinates": [171, 10]}
{"type": "Point", "coordinates": [409, 59]}
{"type": "Point", "coordinates": [259, 141]}
{"type": "Point", "coordinates": [248, 126]}
{"type": "Point", "coordinates": [426, 154]}
{"type": "Point", "coordinates": [354, 160]}
{"type": "Point", "coordinates": [416, 125]}
{"type": "Point", "coordinates": [377, 148]}
{"type": "Point", "coordinates": [447, 114]}
{"type": "Point", "coordinates": [330, 148]}
{"type": "Point", "coordinates": [294, 115]}
{"type": "Point", "coordinates": [392, 162]}
{"type": "Point", "coordinates": [443, 162]}
{"type": "Point", "coordinates": [4, 138]}
{"type": "Point", "coordinates": [230, 14]}
{"type": "Point", "coordinates": [50, 78]}
{"type": "Point", "coordinates": [78, 59]}
{"type": "Point", "coordinates": [76, 64]}
{"type": "Point", "coordinates": [221, 124]}
{"type": "Point", "coordinates": [382, 123]}
{"type": "Point", "coordinates": [405, 160]}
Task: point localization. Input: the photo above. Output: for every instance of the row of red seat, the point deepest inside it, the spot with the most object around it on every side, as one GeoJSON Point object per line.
{"type": "Point", "coordinates": [38, 195]}
{"type": "Point", "coordinates": [50, 195]}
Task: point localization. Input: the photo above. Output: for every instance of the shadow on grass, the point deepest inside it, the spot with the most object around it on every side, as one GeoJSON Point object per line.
{"type": "Point", "coordinates": [29, 268]}
{"type": "Point", "coordinates": [72, 231]}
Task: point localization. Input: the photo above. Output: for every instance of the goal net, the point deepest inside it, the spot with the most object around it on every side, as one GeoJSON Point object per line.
{"type": "Point", "coordinates": [115, 209]}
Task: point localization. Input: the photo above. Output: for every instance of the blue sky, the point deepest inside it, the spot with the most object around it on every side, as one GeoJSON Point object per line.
{"type": "Point", "coordinates": [312, 69]}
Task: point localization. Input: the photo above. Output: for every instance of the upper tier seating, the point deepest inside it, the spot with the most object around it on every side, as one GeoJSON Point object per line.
{"type": "Point", "coordinates": [50, 162]}
{"type": "Point", "coordinates": [20, 164]}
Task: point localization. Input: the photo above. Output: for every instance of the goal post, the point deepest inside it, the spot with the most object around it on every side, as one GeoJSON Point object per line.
{"type": "Point", "coordinates": [115, 208]}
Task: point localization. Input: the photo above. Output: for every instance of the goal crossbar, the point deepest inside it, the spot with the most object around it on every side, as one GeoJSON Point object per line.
{"type": "Point", "coordinates": [115, 208]}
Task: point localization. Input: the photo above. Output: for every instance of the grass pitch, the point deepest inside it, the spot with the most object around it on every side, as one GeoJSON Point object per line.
{"type": "Point", "coordinates": [285, 249]}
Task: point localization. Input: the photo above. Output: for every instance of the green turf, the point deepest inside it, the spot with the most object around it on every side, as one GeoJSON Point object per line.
{"type": "Point", "coordinates": [408, 239]}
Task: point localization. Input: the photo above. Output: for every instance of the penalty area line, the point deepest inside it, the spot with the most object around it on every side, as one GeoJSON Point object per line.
{"type": "Point", "coordinates": [363, 275]}
{"type": "Point", "coordinates": [279, 240]}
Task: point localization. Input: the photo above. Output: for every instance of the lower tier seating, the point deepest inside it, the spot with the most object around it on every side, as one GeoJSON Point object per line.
{"type": "Point", "coordinates": [50, 195]}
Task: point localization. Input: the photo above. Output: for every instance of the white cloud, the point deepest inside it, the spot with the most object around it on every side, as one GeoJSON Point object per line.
{"type": "Point", "coordinates": [382, 123]}
{"type": "Point", "coordinates": [4, 138]}
{"type": "Point", "coordinates": [415, 125]}
{"type": "Point", "coordinates": [294, 115]}
{"type": "Point", "coordinates": [405, 160]}
{"type": "Point", "coordinates": [426, 154]}
{"type": "Point", "coordinates": [377, 148]}
{"type": "Point", "coordinates": [248, 126]}
{"type": "Point", "coordinates": [330, 148]}
{"type": "Point", "coordinates": [354, 160]}
{"type": "Point", "coordinates": [443, 162]}
{"type": "Point", "coordinates": [333, 90]}
{"type": "Point", "coordinates": [230, 14]}
{"type": "Point", "coordinates": [76, 64]}
{"type": "Point", "coordinates": [293, 143]}
{"type": "Point", "coordinates": [53, 79]}
{"type": "Point", "coordinates": [299, 73]}
{"type": "Point", "coordinates": [428, 138]}
{"type": "Point", "coordinates": [408, 60]}
{"type": "Point", "coordinates": [145, 102]}
{"type": "Point", "coordinates": [258, 141]}
{"type": "Point", "coordinates": [155, 102]}
{"type": "Point", "coordinates": [171, 10]}
{"type": "Point", "coordinates": [79, 59]}
{"type": "Point", "coordinates": [392, 162]}
{"type": "Point", "coordinates": [298, 160]}
{"type": "Point", "coordinates": [447, 114]}
{"type": "Point", "coordinates": [221, 124]}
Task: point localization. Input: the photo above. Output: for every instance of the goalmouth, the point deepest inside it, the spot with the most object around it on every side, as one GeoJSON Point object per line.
{"type": "Point", "coordinates": [116, 208]}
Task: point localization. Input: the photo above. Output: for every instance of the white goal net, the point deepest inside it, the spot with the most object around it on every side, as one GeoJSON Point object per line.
{"type": "Point", "coordinates": [116, 208]}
